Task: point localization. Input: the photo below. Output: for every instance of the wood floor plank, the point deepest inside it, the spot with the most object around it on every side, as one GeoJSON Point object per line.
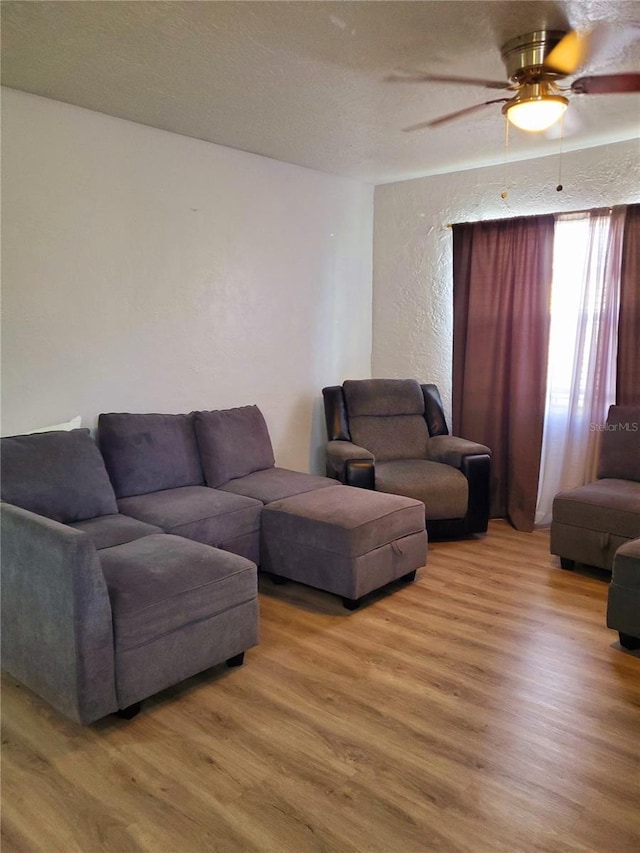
{"type": "Point", "coordinates": [485, 707]}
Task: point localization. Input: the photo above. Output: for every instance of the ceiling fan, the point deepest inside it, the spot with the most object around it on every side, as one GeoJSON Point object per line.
{"type": "Point", "coordinates": [536, 63]}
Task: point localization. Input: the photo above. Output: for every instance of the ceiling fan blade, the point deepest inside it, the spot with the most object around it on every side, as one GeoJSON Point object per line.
{"type": "Point", "coordinates": [466, 111]}
{"type": "Point", "coordinates": [421, 77]}
{"type": "Point", "coordinates": [578, 48]}
{"type": "Point", "coordinates": [606, 84]}
{"type": "Point", "coordinates": [571, 52]}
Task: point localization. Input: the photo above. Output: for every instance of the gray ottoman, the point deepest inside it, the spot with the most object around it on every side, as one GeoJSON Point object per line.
{"type": "Point", "coordinates": [623, 605]}
{"type": "Point", "coordinates": [344, 540]}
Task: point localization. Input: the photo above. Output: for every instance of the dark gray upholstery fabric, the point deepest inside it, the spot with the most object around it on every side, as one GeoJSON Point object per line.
{"type": "Point", "coordinates": [623, 604]}
{"type": "Point", "coordinates": [233, 443]}
{"type": "Point", "coordinates": [246, 545]}
{"type": "Point", "coordinates": [442, 489]}
{"type": "Point", "coordinates": [342, 574]}
{"type": "Point", "coordinates": [608, 506]}
{"type": "Point", "coordinates": [380, 397]}
{"type": "Point", "coordinates": [60, 475]}
{"type": "Point", "coordinates": [197, 512]}
{"type": "Point", "coordinates": [591, 547]}
{"type": "Point", "coordinates": [620, 448]}
{"type": "Point", "coordinates": [146, 669]}
{"type": "Point", "coordinates": [56, 616]}
{"type": "Point", "coordinates": [626, 566]}
{"type": "Point", "coordinates": [149, 452]}
{"type": "Point", "coordinates": [110, 530]}
{"type": "Point", "coordinates": [393, 437]}
{"type": "Point", "coordinates": [343, 519]}
{"type": "Point", "coordinates": [450, 450]}
{"type": "Point", "coordinates": [274, 484]}
{"type": "Point", "coordinates": [161, 583]}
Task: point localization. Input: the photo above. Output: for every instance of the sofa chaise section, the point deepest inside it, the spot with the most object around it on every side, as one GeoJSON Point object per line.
{"type": "Point", "coordinates": [100, 610]}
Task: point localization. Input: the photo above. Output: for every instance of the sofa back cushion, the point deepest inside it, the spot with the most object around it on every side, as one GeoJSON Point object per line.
{"type": "Point", "coordinates": [60, 475]}
{"type": "Point", "coordinates": [233, 443]}
{"type": "Point", "coordinates": [149, 452]}
{"type": "Point", "coordinates": [386, 416]}
{"type": "Point", "coordinates": [620, 448]}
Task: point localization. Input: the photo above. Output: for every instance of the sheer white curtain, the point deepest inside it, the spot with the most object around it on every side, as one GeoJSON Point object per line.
{"type": "Point", "coordinates": [582, 349]}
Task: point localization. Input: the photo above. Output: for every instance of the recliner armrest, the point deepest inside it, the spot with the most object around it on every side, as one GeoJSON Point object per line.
{"type": "Point", "coordinates": [451, 450]}
{"type": "Point", "coordinates": [57, 635]}
{"type": "Point", "coordinates": [351, 464]}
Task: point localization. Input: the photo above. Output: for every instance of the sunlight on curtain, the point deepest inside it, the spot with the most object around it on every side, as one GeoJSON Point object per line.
{"type": "Point", "coordinates": [582, 349]}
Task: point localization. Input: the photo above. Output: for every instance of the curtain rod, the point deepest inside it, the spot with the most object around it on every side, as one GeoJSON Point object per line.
{"type": "Point", "coordinates": [608, 207]}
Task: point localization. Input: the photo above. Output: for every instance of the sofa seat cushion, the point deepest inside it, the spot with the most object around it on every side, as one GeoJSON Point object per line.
{"type": "Point", "coordinates": [442, 489]}
{"type": "Point", "coordinates": [60, 475]}
{"type": "Point", "coordinates": [106, 531]}
{"type": "Point", "coordinates": [608, 506]}
{"type": "Point", "coordinates": [149, 452]}
{"type": "Point", "coordinates": [159, 584]}
{"type": "Point", "coordinates": [343, 520]}
{"type": "Point", "coordinates": [196, 512]}
{"type": "Point", "coordinates": [274, 484]}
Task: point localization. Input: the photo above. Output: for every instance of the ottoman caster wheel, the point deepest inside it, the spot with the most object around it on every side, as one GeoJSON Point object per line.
{"type": "Point", "coordinates": [351, 603]}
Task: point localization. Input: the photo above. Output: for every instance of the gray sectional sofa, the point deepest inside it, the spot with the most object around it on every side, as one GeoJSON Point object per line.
{"type": "Point", "coordinates": [130, 566]}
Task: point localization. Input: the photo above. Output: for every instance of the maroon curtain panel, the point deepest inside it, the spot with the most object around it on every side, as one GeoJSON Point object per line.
{"type": "Point", "coordinates": [502, 275]}
{"type": "Point", "coordinates": [628, 366]}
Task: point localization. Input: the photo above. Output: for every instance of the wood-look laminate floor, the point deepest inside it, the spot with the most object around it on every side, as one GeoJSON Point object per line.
{"type": "Point", "coordinates": [486, 707]}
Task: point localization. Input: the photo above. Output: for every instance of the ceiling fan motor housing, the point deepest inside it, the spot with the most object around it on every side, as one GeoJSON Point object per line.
{"type": "Point", "coordinates": [524, 56]}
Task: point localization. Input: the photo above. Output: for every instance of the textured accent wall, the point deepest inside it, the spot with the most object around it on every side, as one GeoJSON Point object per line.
{"type": "Point", "coordinates": [412, 254]}
{"type": "Point", "coordinates": [146, 271]}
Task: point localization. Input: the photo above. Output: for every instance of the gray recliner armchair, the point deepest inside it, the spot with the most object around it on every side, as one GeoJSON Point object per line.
{"type": "Point", "coordinates": [391, 435]}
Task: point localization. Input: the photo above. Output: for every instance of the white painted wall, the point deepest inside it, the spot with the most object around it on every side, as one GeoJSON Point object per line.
{"type": "Point", "coordinates": [412, 258]}
{"type": "Point", "coordinates": [145, 271]}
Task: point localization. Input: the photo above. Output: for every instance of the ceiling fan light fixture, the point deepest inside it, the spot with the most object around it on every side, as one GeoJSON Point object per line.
{"type": "Point", "coordinates": [536, 107]}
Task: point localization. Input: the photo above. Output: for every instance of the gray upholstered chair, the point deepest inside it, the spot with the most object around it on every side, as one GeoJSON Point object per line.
{"type": "Point", "coordinates": [391, 435]}
{"type": "Point", "coordinates": [591, 522]}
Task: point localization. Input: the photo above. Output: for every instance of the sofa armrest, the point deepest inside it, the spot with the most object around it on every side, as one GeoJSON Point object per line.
{"type": "Point", "coordinates": [352, 465]}
{"type": "Point", "coordinates": [57, 635]}
{"type": "Point", "coordinates": [451, 450]}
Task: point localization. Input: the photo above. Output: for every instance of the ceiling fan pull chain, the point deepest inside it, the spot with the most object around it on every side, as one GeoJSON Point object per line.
{"type": "Point", "coordinates": [504, 192]}
{"type": "Point", "coordinates": [559, 187]}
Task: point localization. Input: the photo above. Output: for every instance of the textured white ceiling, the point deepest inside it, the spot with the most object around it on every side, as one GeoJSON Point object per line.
{"type": "Point", "coordinates": [303, 82]}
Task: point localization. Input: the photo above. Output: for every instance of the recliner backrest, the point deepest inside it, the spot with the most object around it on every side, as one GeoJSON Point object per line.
{"type": "Point", "coordinates": [620, 448]}
{"type": "Point", "coordinates": [386, 416]}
